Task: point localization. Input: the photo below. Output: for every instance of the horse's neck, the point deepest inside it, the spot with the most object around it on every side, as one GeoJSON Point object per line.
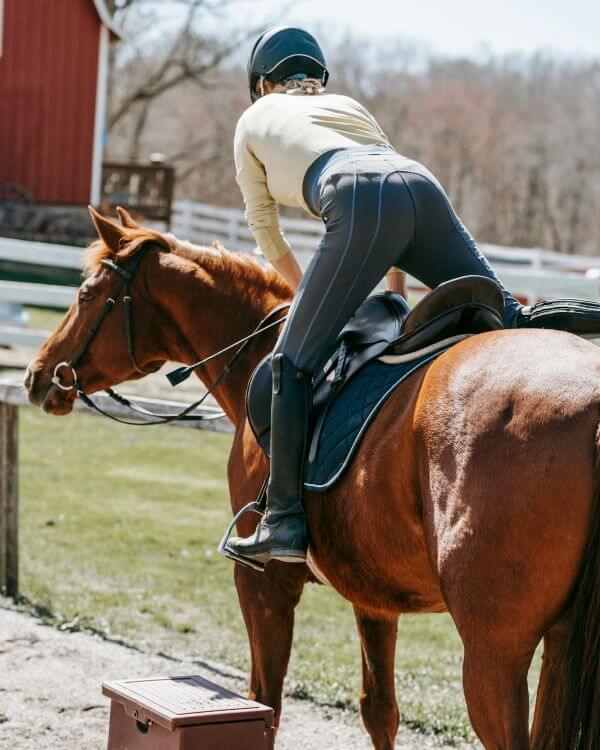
{"type": "Point", "coordinates": [210, 316]}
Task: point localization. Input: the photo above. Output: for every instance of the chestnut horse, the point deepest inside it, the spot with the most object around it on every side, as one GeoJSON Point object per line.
{"type": "Point", "coordinates": [475, 491]}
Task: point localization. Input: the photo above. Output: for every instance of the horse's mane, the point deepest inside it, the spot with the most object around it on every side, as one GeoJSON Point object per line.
{"type": "Point", "coordinates": [213, 258]}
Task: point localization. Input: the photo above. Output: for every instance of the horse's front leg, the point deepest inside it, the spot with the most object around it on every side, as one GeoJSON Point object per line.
{"type": "Point", "coordinates": [378, 705]}
{"type": "Point", "coordinates": [268, 600]}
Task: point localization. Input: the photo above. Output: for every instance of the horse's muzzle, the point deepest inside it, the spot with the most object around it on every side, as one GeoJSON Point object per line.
{"type": "Point", "coordinates": [42, 393]}
{"type": "Point", "coordinates": [36, 389]}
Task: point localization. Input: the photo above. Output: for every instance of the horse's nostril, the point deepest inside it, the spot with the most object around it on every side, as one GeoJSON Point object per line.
{"type": "Point", "coordinates": [28, 379]}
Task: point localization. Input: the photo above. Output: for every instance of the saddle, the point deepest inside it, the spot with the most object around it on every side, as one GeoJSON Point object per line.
{"type": "Point", "coordinates": [355, 382]}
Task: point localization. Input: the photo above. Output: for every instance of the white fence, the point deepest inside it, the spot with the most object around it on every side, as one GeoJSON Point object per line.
{"type": "Point", "coordinates": [528, 272]}
{"type": "Point", "coordinates": [40, 253]}
{"type": "Point", "coordinates": [200, 222]}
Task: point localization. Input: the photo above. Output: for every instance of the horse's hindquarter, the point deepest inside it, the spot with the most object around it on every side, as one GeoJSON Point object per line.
{"type": "Point", "coordinates": [475, 480]}
{"type": "Point", "coordinates": [506, 425]}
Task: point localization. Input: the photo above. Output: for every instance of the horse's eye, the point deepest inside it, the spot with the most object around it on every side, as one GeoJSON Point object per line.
{"type": "Point", "coordinates": [86, 297]}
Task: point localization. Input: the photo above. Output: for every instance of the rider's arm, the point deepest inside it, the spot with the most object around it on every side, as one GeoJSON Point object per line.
{"type": "Point", "coordinates": [289, 268]}
{"type": "Point", "coordinates": [396, 281]}
{"type": "Point", "coordinates": [262, 212]}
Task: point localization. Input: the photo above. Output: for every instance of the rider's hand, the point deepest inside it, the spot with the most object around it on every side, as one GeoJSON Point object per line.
{"type": "Point", "coordinates": [396, 281]}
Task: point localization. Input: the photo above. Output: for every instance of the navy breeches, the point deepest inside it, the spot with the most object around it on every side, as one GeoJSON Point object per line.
{"type": "Point", "coordinates": [380, 210]}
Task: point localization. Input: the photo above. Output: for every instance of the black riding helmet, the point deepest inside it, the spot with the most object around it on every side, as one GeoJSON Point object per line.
{"type": "Point", "coordinates": [283, 51]}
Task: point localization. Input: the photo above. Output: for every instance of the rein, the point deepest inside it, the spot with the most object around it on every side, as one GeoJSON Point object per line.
{"type": "Point", "coordinates": [175, 377]}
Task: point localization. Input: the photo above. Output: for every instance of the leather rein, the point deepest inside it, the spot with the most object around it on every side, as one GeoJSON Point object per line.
{"type": "Point", "coordinates": [126, 273]}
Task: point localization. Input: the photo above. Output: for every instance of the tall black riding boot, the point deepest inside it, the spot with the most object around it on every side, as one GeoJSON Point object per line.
{"type": "Point", "coordinates": [282, 533]}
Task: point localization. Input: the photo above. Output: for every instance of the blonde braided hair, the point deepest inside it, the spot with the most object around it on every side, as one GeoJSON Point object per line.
{"type": "Point", "coordinates": [309, 86]}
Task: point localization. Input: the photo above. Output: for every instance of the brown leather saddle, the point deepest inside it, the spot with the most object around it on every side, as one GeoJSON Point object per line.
{"type": "Point", "coordinates": [384, 324]}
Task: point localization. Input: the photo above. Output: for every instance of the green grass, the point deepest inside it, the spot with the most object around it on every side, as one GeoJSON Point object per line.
{"type": "Point", "coordinates": [118, 533]}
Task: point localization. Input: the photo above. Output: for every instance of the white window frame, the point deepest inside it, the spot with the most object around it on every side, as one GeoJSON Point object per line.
{"type": "Point", "coordinates": [100, 115]}
{"type": "Point", "coordinates": [1, 26]}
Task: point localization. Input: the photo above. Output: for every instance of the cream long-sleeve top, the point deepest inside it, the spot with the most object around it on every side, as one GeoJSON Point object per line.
{"type": "Point", "coordinates": [277, 139]}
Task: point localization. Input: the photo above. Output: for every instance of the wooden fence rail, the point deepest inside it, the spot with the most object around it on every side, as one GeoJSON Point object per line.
{"type": "Point", "coordinates": [12, 397]}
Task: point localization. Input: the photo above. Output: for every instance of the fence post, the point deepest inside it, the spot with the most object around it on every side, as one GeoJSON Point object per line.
{"type": "Point", "coordinates": [9, 500]}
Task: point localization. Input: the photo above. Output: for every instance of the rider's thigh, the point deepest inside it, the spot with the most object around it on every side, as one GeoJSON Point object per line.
{"type": "Point", "coordinates": [370, 218]}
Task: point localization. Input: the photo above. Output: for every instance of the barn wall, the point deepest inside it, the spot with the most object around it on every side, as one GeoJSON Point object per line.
{"type": "Point", "coordinates": [48, 75]}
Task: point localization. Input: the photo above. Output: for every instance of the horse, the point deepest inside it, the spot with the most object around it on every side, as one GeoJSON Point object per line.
{"type": "Point", "coordinates": [475, 491]}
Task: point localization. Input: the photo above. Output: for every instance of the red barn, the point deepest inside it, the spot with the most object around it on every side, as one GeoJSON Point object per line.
{"type": "Point", "coordinates": [53, 73]}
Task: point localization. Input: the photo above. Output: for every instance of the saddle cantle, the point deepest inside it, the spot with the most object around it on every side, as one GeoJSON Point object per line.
{"type": "Point", "coordinates": [354, 384]}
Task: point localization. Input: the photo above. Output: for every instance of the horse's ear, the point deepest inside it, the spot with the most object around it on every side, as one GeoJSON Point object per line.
{"type": "Point", "coordinates": [108, 231]}
{"type": "Point", "coordinates": [126, 219]}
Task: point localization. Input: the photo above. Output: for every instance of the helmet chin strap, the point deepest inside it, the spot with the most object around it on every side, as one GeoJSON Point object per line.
{"type": "Point", "coordinates": [262, 85]}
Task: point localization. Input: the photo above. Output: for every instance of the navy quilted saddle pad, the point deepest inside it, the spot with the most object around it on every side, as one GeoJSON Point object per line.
{"type": "Point", "coordinates": [351, 413]}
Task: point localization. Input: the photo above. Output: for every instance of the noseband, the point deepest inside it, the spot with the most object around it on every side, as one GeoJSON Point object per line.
{"type": "Point", "coordinates": [126, 273]}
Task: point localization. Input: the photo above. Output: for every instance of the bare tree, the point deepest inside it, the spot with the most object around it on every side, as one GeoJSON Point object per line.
{"type": "Point", "coordinates": [146, 67]}
{"type": "Point", "coordinates": [514, 140]}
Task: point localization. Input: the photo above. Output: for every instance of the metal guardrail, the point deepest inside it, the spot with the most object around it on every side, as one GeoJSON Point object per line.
{"type": "Point", "coordinates": [13, 397]}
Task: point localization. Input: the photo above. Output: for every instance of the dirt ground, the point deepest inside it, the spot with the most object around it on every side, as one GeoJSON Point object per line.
{"type": "Point", "coordinates": [50, 697]}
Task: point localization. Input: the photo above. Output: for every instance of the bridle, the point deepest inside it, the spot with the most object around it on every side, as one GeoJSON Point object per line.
{"type": "Point", "coordinates": [126, 273]}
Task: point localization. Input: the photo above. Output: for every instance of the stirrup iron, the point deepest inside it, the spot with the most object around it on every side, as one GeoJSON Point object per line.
{"type": "Point", "coordinates": [256, 506]}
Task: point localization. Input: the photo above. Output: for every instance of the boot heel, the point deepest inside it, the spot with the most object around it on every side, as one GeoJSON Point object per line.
{"type": "Point", "coordinates": [289, 557]}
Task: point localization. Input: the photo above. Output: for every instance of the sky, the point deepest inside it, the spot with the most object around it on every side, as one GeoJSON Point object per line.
{"type": "Point", "coordinates": [461, 27]}
{"type": "Point", "coordinates": [451, 27]}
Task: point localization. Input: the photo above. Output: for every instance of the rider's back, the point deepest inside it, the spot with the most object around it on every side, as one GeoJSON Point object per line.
{"type": "Point", "coordinates": [286, 132]}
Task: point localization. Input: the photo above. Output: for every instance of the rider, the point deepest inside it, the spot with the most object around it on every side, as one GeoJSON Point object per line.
{"type": "Point", "coordinates": [300, 146]}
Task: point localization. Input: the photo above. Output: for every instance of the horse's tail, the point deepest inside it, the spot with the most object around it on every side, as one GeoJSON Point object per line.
{"type": "Point", "coordinates": [575, 683]}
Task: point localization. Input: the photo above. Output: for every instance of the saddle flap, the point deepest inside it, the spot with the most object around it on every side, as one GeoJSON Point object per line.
{"type": "Point", "coordinates": [370, 331]}
{"type": "Point", "coordinates": [258, 402]}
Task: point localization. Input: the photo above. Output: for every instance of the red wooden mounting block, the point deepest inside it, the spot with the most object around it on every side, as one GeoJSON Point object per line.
{"type": "Point", "coordinates": [184, 713]}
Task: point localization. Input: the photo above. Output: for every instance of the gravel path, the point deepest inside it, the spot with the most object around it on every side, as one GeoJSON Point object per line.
{"type": "Point", "coordinates": [50, 692]}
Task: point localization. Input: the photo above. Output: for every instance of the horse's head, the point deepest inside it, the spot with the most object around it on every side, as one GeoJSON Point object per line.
{"type": "Point", "coordinates": [103, 358]}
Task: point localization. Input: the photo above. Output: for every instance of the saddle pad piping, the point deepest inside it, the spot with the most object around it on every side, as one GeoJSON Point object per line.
{"type": "Point", "coordinates": [399, 359]}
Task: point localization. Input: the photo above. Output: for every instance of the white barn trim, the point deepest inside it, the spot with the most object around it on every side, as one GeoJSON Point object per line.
{"type": "Point", "coordinates": [106, 18]}
{"type": "Point", "coordinates": [100, 114]}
